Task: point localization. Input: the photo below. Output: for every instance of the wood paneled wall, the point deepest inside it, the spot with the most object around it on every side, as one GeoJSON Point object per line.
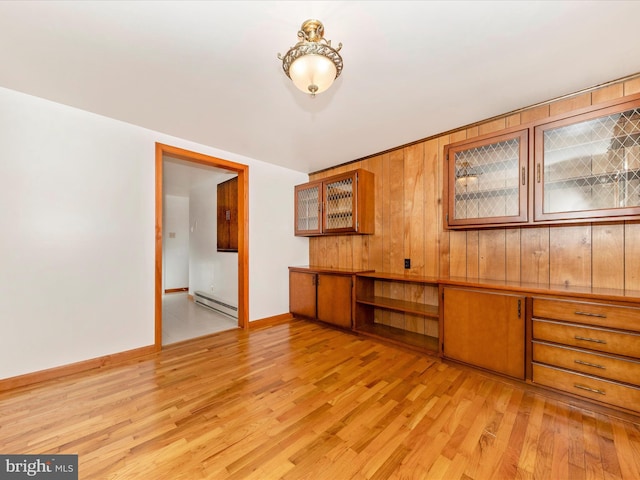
{"type": "Point", "coordinates": [409, 222]}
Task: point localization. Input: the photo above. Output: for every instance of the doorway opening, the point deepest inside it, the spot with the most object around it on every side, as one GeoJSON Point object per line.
{"type": "Point", "coordinates": [199, 160]}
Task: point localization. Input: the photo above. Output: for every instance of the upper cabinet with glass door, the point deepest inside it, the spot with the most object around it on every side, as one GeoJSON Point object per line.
{"type": "Point", "coordinates": [487, 180]}
{"type": "Point", "coordinates": [308, 205]}
{"type": "Point", "coordinates": [341, 204]}
{"type": "Point", "coordinates": [588, 166]}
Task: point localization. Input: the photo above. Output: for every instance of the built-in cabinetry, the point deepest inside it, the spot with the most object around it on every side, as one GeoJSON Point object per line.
{"type": "Point", "coordinates": [588, 348]}
{"type": "Point", "coordinates": [400, 308]}
{"type": "Point", "coordinates": [578, 167]}
{"type": "Point", "coordinates": [485, 329]}
{"type": "Point", "coordinates": [588, 166]}
{"type": "Point", "coordinates": [227, 231]}
{"type": "Point", "coordinates": [579, 341]}
{"type": "Point", "coordinates": [341, 204]}
{"type": "Point", "coordinates": [322, 294]}
{"type": "Point", "coordinates": [487, 180]}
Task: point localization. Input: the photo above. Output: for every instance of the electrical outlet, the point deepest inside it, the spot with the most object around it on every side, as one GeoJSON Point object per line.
{"type": "Point", "coordinates": [407, 263]}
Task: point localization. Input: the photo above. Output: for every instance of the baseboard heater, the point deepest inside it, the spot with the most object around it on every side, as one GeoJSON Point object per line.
{"type": "Point", "coordinates": [210, 301]}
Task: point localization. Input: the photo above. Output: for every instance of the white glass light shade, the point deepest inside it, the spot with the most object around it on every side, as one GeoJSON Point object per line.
{"type": "Point", "coordinates": [312, 73]}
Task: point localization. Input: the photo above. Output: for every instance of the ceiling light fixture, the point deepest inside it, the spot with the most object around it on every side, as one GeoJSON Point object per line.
{"type": "Point", "coordinates": [312, 64]}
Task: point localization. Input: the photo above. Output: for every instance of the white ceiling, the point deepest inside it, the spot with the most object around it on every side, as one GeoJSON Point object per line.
{"type": "Point", "coordinates": [207, 71]}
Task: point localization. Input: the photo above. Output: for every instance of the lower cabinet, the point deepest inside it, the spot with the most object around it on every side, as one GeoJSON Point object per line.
{"type": "Point", "coordinates": [321, 296]}
{"type": "Point", "coordinates": [587, 348]}
{"type": "Point", "coordinates": [485, 329]}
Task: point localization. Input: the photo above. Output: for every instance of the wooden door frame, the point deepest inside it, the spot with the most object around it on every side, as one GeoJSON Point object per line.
{"type": "Point", "coordinates": [243, 229]}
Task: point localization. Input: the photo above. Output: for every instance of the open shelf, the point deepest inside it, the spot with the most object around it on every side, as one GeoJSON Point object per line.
{"type": "Point", "coordinates": [404, 306]}
{"type": "Point", "coordinates": [420, 315]}
{"type": "Point", "coordinates": [397, 335]}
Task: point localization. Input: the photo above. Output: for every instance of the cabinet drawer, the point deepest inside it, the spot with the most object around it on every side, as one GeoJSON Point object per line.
{"type": "Point", "coordinates": [601, 339]}
{"type": "Point", "coordinates": [586, 386]}
{"type": "Point", "coordinates": [603, 315]}
{"type": "Point", "coordinates": [612, 368]}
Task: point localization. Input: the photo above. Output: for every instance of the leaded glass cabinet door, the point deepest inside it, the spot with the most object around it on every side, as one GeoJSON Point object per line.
{"type": "Point", "coordinates": [308, 202]}
{"type": "Point", "coordinates": [589, 166]}
{"type": "Point", "coordinates": [487, 181]}
{"type": "Point", "coordinates": [340, 204]}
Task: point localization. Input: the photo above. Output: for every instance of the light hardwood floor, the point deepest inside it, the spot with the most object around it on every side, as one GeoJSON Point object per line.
{"type": "Point", "coordinates": [300, 400]}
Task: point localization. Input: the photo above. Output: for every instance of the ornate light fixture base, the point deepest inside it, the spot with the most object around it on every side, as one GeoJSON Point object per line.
{"type": "Point", "coordinates": [312, 64]}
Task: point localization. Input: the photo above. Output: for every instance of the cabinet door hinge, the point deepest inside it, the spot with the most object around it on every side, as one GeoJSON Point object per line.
{"type": "Point", "coordinates": [519, 308]}
{"type": "Point", "coordinates": [447, 217]}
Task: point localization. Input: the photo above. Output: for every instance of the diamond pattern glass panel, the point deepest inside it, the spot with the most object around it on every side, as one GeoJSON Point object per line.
{"type": "Point", "coordinates": [487, 181]}
{"type": "Point", "coordinates": [339, 209]}
{"type": "Point", "coordinates": [593, 164]}
{"type": "Point", "coordinates": [308, 201]}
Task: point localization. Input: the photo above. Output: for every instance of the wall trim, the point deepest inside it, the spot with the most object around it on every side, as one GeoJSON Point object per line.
{"type": "Point", "coordinates": [243, 228]}
{"type": "Point", "coordinates": [176, 290]}
{"type": "Point", "coordinates": [270, 321]}
{"type": "Point", "coordinates": [65, 370]}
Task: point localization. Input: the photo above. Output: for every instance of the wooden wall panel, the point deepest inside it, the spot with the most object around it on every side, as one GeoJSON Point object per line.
{"type": "Point", "coordinates": [632, 86]}
{"type": "Point", "coordinates": [534, 255]}
{"type": "Point", "coordinates": [632, 256]}
{"type": "Point", "coordinates": [570, 255]}
{"type": "Point", "coordinates": [534, 114]}
{"type": "Point", "coordinates": [414, 207]}
{"type": "Point", "coordinates": [513, 120]}
{"type": "Point", "coordinates": [569, 104]}
{"type": "Point", "coordinates": [607, 93]}
{"type": "Point", "coordinates": [432, 210]}
{"type": "Point", "coordinates": [473, 254]}
{"type": "Point", "coordinates": [395, 233]}
{"type": "Point", "coordinates": [457, 254]}
{"type": "Point", "coordinates": [375, 241]}
{"type": "Point", "coordinates": [414, 228]}
{"type": "Point", "coordinates": [409, 224]}
{"type": "Point", "coordinates": [607, 256]}
{"type": "Point", "coordinates": [493, 126]}
{"type": "Point", "coordinates": [512, 255]}
{"type": "Point", "coordinates": [492, 248]}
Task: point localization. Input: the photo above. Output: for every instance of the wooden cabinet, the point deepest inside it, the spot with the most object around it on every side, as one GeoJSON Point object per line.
{"type": "Point", "coordinates": [341, 204]}
{"type": "Point", "coordinates": [487, 180]}
{"type": "Point", "coordinates": [588, 348]}
{"type": "Point", "coordinates": [399, 308]}
{"type": "Point", "coordinates": [322, 294]}
{"type": "Point", "coordinates": [588, 165]}
{"type": "Point", "coordinates": [583, 166]}
{"type": "Point", "coordinates": [228, 216]}
{"type": "Point", "coordinates": [485, 329]}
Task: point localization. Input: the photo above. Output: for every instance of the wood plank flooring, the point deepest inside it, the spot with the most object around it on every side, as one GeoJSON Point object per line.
{"type": "Point", "coordinates": [304, 401]}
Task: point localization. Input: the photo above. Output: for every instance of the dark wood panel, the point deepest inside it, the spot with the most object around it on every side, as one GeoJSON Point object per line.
{"type": "Point", "coordinates": [227, 209]}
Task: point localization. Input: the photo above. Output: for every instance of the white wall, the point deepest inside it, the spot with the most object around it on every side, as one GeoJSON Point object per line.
{"type": "Point", "coordinates": [77, 215]}
{"type": "Point", "coordinates": [175, 242]}
{"type": "Point", "coordinates": [209, 270]}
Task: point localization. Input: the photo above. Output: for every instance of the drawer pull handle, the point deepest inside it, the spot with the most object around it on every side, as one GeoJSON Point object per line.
{"type": "Point", "coordinates": [586, 339]}
{"type": "Point", "coordinates": [589, 314]}
{"type": "Point", "coordinates": [589, 389]}
{"type": "Point", "coordinates": [594, 365]}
